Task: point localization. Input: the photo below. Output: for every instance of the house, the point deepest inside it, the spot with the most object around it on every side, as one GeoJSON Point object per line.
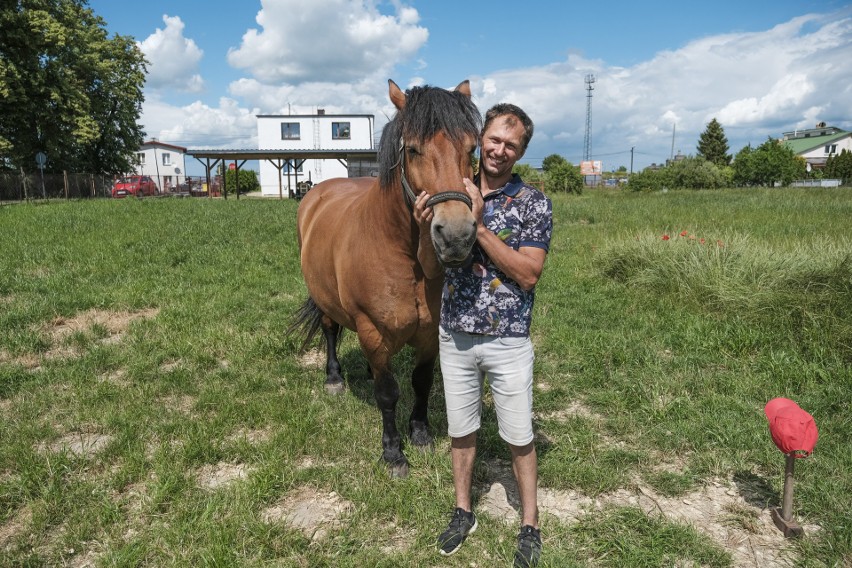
{"type": "Point", "coordinates": [815, 145]}
{"type": "Point", "coordinates": [320, 131]}
{"type": "Point", "coordinates": [166, 163]}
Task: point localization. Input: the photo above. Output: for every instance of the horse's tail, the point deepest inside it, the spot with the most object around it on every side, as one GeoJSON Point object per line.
{"type": "Point", "coordinates": [306, 322]}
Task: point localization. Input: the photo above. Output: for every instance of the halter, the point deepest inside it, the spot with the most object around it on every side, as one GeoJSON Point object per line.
{"type": "Point", "coordinates": [409, 196]}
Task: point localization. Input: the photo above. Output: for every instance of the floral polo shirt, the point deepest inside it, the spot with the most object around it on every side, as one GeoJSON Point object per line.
{"type": "Point", "coordinates": [478, 297]}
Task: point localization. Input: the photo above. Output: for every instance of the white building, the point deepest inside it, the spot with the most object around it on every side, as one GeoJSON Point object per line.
{"type": "Point", "coordinates": [310, 132]}
{"type": "Point", "coordinates": [165, 163]}
{"type": "Point", "coordinates": [816, 145]}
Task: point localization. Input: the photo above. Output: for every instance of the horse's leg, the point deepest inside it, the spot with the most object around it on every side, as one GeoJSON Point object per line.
{"type": "Point", "coordinates": [386, 391]}
{"type": "Point", "coordinates": [333, 378]}
{"type": "Point", "coordinates": [421, 381]}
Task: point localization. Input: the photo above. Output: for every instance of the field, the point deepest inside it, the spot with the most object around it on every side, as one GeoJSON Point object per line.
{"type": "Point", "coordinates": [153, 412]}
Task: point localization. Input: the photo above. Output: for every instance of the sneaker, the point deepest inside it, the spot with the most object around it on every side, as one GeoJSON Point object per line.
{"type": "Point", "coordinates": [529, 547]}
{"type": "Point", "coordinates": [461, 525]}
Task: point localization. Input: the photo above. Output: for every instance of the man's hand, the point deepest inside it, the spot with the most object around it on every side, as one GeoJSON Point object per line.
{"type": "Point", "coordinates": [475, 200]}
{"type": "Point", "coordinates": [423, 215]}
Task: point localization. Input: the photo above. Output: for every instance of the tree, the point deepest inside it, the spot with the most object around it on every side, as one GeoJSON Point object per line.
{"type": "Point", "coordinates": [840, 166]}
{"type": "Point", "coordinates": [564, 177]}
{"type": "Point", "coordinates": [770, 163]}
{"type": "Point", "coordinates": [248, 181]}
{"type": "Point", "coordinates": [67, 89]}
{"type": "Point", "coordinates": [552, 161]}
{"type": "Point", "coordinates": [713, 145]}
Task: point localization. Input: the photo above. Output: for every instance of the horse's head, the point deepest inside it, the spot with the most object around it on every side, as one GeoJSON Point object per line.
{"type": "Point", "coordinates": [431, 140]}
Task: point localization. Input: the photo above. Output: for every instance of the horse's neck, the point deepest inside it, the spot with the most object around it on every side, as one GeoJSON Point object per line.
{"type": "Point", "coordinates": [387, 212]}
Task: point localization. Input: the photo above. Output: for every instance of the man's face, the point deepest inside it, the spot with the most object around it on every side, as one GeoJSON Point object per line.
{"type": "Point", "coordinates": [501, 146]}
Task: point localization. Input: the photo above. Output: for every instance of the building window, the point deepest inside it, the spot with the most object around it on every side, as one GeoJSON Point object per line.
{"type": "Point", "coordinates": [288, 167]}
{"type": "Point", "coordinates": [831, 149]}
{"type": "Point", "coordinates": [290, 131]}
{"type": "Point", "coordinates": [140, 157]}
{"type": "Point", "coordinates": [167, 159]}
{"type": "Point", "coordinates": [340, 131]}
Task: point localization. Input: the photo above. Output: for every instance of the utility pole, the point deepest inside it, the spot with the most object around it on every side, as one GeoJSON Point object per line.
{"type": "Point", "coordinates": [631, 159]}
{"type": "Point", "coordinates": [587, 143]}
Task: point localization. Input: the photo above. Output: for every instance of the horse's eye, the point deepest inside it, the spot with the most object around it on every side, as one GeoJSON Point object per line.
{"type": "Point", "coordinates": [413, 151]}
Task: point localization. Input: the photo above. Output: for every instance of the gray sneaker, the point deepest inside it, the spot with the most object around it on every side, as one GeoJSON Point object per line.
{"type": "Point", "coordinates": [461, 525]}
{"type": "Point", "coordinates": [529, 547]}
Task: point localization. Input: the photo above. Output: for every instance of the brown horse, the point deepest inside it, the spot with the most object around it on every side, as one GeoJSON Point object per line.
{"type": "Point", "coordinates": [358, 241]}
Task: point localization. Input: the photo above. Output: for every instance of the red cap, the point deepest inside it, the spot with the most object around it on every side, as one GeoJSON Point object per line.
{"type": "Point", "coordinates": [793, 430]}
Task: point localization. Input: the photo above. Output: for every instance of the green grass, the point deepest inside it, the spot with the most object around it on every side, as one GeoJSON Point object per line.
{"type": "Point", "coordinates": [654, 360]}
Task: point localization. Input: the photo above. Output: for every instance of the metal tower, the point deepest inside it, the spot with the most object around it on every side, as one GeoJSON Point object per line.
{"type": "Point", "coordinates": [587, 143]}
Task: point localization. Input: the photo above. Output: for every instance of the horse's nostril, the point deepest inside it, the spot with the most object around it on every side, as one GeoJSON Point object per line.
{"type": "Point", "coordinates": [438, 228]}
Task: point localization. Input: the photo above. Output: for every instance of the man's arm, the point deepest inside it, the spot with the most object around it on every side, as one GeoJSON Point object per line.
{"type": "Point", "coordinates": [524, 265]}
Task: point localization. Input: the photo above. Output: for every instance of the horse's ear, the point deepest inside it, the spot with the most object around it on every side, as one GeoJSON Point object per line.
{"type": "Point", "coordinates": [397, 97]}
{"type": "Point", "coordinates": [464, 88]}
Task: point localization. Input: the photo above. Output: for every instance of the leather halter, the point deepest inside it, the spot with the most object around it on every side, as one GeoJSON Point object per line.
{"type": "Point", "coordinates": [410, 197]}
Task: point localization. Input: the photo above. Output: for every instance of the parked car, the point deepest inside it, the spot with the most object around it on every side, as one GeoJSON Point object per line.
{"type": "Point", "coordinates": [137, 186]}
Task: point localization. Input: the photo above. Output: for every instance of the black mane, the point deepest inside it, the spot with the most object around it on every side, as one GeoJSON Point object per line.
{"type": "Point", "coordinates": [428, 110]}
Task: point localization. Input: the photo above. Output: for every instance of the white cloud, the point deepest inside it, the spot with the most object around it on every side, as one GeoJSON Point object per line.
{"type": "Point", "coordinates": [337, 55]}
{"type": "Point", "coordinates": [201, 126]}
{"type": "Point", "coordinates": [173, 59]}
{"type": "Point", "coordinates": [334, 41]}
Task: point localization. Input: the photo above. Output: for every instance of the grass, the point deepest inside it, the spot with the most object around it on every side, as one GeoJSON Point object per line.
{"type": "Point", "coordinates": [142, 346]}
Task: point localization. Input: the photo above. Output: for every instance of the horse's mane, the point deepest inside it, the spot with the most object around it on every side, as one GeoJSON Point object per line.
{"type": "Point", "coordinates": [427, 111]}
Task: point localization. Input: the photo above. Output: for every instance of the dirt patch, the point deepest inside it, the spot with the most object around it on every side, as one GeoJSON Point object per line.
{"type": "Point", "coordinates": [5, 405]}
{"type": "Point", "coordinates": [314, 359]}
{"type": "Point", "coordinates": [718, 509]}
{"type": "Point", "coordinates": [575, 409]}
{"type": "Point", "coordinates": [116, 378]}
{"type": "Point", "coordinates": [169, 366]}
{"type": "Point", "coordinates": [179, 403]}
{"type": "Point", "coordinates": [80, 444]}
{"type": "Point", "coordinates": [15, 526]}
{"type": "Point", "coordinates": [313, 512]}
{"type": "Point", "coordinates": [221, 475]}
{"type": "Point", "coordinates": [258, 436]}
{"type": "Point", "coordinates": [116, 324]}
{"type": "Point", "coordinates": [109, 326]}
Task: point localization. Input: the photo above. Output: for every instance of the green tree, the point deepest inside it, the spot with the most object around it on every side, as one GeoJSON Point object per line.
{"type": "Point", "coordinates": [67, 89]}
{"type": "Point", "coordinates": [552, 161]}
{"type": "Point", "coordinates": [564, 177]}
{"type": "Point", "coordinates": [840, 166]}
{"type": "Point", "coordinates": [713, 145]}
{"type": "Point", "coordinates": [770, 163]}
{"type": "Point", "coordinates": [248, 181]}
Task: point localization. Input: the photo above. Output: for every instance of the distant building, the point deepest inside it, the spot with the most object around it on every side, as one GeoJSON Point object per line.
{"type": "Point", "coordinates": [312, 132]}
{"type": "Point", "coordinates": [165, 163]}
{"type": "Point", "coordinates": [815, 145]}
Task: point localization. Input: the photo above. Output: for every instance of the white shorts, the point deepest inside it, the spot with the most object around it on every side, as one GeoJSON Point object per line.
{"type": "Point", "coordinates": [508, 363]}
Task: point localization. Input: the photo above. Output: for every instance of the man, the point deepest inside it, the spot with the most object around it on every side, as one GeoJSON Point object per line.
{"type": "Point", "coordinates": [486, 313]}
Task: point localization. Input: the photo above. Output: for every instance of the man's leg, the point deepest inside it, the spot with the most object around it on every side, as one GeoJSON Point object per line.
{"type": "Point", "coordinates": [463, 453]}
{"type": "Point", "coordinates": [525, 466]}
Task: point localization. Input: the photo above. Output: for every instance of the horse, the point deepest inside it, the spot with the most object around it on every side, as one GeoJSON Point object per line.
{"type": "Point", "coordinates": [358, 243]}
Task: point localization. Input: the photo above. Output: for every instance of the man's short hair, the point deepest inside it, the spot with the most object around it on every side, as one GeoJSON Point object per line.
{"type": "Point", "coordinates": [514, 113]}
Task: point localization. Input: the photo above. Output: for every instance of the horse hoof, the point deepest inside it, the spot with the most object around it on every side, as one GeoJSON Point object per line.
{"type": "Point", "coordinates": [335, 388]}
{"type": "Point", "coordinates": [422, 440]}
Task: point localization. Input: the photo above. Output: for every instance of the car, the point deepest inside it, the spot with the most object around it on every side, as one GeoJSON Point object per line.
{"type": "Point", "coordinates": [137, 186]}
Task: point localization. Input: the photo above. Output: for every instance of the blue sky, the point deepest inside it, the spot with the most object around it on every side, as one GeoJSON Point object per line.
{"type": "Point", "coordinates": [663, 69]}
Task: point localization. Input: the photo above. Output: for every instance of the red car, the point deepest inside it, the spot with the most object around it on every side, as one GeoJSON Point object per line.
{"type": "Point", "coordinates": [134, 185]}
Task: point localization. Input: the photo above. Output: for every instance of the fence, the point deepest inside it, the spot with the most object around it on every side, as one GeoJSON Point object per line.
{"type": "Point", "coordinates": [26, 186]}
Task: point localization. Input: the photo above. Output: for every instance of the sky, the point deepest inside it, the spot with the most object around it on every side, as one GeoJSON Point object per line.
{"type": "Point", "coordinates": [662, 70]}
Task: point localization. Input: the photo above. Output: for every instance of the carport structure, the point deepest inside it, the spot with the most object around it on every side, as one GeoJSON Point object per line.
{"type": "Point", "coordinates": [210, 159]}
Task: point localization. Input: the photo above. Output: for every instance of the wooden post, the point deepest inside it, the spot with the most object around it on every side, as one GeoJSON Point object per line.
{"type": "Point", "coordinates": [65, 181]}
{"type": "Point", "coordinates": [783, 517]}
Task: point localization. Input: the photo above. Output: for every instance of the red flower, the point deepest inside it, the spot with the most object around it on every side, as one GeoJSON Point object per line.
{"type": "Point", "coordinates": [684, 233]}
{"type": "Point", "coordinates": [666, 237]}
{"type": "Point", "coordinates": [701, 241]}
